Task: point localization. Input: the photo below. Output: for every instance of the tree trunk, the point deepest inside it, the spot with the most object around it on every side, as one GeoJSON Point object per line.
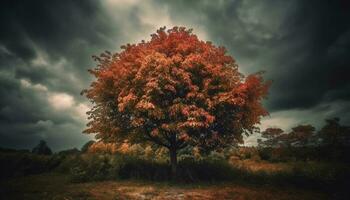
{"type": "Point", "coordinates": [173, 162]}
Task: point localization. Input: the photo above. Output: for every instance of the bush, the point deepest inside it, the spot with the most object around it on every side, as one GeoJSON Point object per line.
{"type": "Point", "coordinates": [90, 167]}
{"type": "Point", "coordinates": [207, 169]}
{"type": "Point", "coordinates": [86, 146]}
{"type": "Point", "coordinates": [69, 152]}
{"type": "Point", "coordinates": [19, 164]}
{"type": "Point", "coordinates": [243, 153]}
{"type": "Point", "coordinates": [191, 168]}
{"type": "Point", "coordinates": [93, 167]}
{"type": "Point", "coordinates": [264, 154]}
{"type": "Point", "coordinates": [137, 168]}
{"type": "Point", "coordinates": [214, 155]}
{"type": "Point", "coordinates": [322, 153]}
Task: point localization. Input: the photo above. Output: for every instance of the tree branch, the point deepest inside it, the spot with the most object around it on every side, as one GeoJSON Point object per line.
{"type": "Point", "coordinates": [181, 144]}
{"type": "Point", "coordinates": [156, 140]}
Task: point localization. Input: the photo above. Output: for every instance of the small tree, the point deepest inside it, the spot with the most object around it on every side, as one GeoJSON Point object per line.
{"type": "Point", "coordinates": [86, 146]}
{"type": "Point", "coordinates": [174, 91]}
{"type": "Point", "coordinates": [334, 134]}
{"type": "Point", "coordinates": [300, 135]}
{"type": "Point", "coordinates": [270, 136]}
{"type": "Point", "coordinates": [275, 137]}
{"type": "Point", "coordinates": [42, 149]}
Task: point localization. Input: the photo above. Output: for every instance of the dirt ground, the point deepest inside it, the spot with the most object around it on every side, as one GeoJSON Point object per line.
{"type": "Point", "coordinates": [57, 186]}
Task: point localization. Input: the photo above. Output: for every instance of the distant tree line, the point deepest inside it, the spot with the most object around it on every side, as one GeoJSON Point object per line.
{"type": "Point", "coordinates": [331, 134]}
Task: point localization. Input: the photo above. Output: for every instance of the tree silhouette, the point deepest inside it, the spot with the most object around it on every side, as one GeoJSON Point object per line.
{"type": "Point", "coordinates": [270, 136]}
{"type": "Point", "coordinates": [42, 149]}
{"type": "Point", "coordinates": [300, 135]}
{"type": "Point", "coordinates": [275, 137]}
{"type": "Point", "coordinates": [334, 134]}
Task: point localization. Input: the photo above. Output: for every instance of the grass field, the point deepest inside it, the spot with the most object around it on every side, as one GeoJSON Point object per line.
{"type": "Point", "coordinates": [57, 186]}
{"type": "Point", "coordinates": [121, 176]}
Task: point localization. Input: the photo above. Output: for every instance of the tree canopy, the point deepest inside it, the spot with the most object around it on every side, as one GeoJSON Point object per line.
{"type": "Point", "coordinates": [174, 90]}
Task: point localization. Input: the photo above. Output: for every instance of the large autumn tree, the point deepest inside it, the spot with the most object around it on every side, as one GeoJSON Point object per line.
{"type": "Point", "coordinates": [174, 90]}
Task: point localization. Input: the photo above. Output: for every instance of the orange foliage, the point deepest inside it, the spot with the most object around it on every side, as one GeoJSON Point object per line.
{"type": "Point", "coordinates": [101, 147]}
{"type": "Point", "coordinates": [113, 148]}
{"type": "Point", "coordinates": [173, 90]}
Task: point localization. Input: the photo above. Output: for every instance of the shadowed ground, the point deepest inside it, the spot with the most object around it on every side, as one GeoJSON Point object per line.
{"type": "Point", "coordinates": [57, 186]}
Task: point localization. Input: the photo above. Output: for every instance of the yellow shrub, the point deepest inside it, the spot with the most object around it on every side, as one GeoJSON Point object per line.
{"type": "Point", "coordinates": [101, 147]}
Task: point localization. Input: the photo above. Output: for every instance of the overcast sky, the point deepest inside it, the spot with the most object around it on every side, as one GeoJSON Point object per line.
{"type": "Point", "coordinates": [46, 49]}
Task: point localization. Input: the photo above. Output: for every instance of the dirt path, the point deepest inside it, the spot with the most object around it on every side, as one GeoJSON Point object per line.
{"type": "Point", "coordinates": [57, 187]}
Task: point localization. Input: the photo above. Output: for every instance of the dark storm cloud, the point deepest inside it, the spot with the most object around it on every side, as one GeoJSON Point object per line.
{"type": "Point", "coordinates": [45, 51]}
{"type": "Point", "coordinates": [64, 31]}
{"type": "Point", "coordinates": [320, 74]}
{"type": "Point", "coordinates": [26, 117]}
{"type": "Point", "coordinates": [301, 44]}
{"type": "Point", "coordinates": [46, 48]}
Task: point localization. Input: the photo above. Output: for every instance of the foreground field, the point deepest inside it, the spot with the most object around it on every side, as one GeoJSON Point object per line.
{"type": "Point", "coordinates": [57, 186]}
{"type": "Point", "coordinates": [239, 175]}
